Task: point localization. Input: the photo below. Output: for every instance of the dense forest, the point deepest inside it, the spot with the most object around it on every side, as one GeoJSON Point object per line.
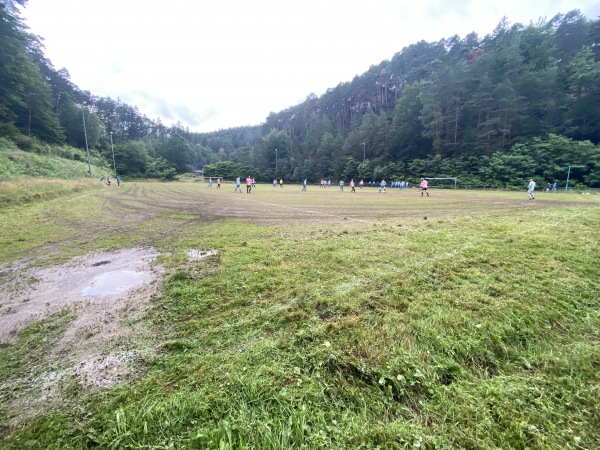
{"type": "Point", "coordinates": [520, 102]}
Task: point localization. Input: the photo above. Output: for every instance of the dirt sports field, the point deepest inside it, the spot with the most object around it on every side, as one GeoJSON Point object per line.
{"type": "Point", "coordinates": [97, 258]}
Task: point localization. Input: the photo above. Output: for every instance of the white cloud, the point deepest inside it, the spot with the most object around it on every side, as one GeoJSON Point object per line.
{"type": "Point", "coordinates": [229, 63]}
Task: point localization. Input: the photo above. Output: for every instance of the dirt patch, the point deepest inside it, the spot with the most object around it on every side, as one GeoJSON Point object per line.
{"type": "Point", "coordinates": [104, 344]}
{"type": "Point", "coordinates": [98, 285]}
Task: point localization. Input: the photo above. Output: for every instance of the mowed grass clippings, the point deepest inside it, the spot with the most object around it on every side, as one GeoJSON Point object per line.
{"type": "Point", "coordinates": [334, 320]}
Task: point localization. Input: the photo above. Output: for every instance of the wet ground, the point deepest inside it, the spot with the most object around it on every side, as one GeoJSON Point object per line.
{"type": "Point", "coordinates": [105, 294]}
{"type": "Point", "coordinates": [98, 284]}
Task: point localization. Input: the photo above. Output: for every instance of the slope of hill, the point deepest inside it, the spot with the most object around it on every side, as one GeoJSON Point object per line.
{"type": "Point", "coordinates": [26, 176]}
{"type": "Point", "coordinates": [58, 162]}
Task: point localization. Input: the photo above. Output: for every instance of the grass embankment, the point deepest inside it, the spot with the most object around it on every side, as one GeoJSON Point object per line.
{"type": "Point", "coordinates": [27, 177]}
{"type": "Point", "coordinates": [28, 190]}
{"type": "Point", "coordinates": [49, 161]}
{"type": "Point", "coordinates": [456, 323]}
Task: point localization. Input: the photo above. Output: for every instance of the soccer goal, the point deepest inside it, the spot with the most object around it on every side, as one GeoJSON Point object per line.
{"type": "Point", "coordinates": [206, 180]}
{"type": "Point", "coordinates": [442, 183]}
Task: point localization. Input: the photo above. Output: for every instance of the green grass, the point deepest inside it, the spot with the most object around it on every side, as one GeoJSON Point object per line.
{"type": "Point", "coordinates": [31, 190]}
{"type": "Point", "coordinates": [327, 320]}
{"type": "Point", "coordinates": [16, 164]}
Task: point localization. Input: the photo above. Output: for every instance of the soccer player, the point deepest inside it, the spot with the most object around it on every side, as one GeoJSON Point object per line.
{"type": "Point", "coordinates": [248, 184]}
{"type": "Point", "coordinates": [423, 186]}
{"type": "Point", "coordinates": [238, 185]}
{"type": "Point", "coordinates": [304, 186]}
{"type": "Point", "coordinates": [382, 186]}
{"type": "Point", "coordinates": [530, 189]}
{"type": "Point", "coordinates": [352, 186]}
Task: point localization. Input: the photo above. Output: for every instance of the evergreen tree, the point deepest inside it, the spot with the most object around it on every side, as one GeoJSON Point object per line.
{"type": "Point", "coordinates": [25, 97]}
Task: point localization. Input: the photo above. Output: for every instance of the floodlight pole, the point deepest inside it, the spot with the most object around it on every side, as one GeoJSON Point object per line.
{"type": "Point", "coordinates": [86, 144]}
{"type": "Point", "coordinates": [275, 162]}
{"type": "Point", "coordinates": [113, 154]}
{"type": "Point", "coordinates": [364, 151]}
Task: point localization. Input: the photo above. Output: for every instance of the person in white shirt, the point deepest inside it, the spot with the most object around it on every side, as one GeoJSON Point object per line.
{"type": "Point", "coordinates": [530, 189]}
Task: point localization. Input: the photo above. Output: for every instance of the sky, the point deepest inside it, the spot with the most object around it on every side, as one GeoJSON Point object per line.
{"type": "Point", "coordinates": [220, 64]}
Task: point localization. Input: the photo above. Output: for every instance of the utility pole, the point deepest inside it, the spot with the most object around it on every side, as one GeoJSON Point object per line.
{"type": "Point", "coordinates": [364, 151]}
{"type": "Point", "coordinates": [275, 163]}
{"type": "Point", "coordinates": [113, 154]}
{"type": "Point", "coordinates": [86, 144]}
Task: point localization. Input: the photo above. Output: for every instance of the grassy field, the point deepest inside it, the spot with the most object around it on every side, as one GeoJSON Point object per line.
{"type": "Point", "coordinates": [16, 164]}
{"type": "Point", "coordinates": [326, 320]}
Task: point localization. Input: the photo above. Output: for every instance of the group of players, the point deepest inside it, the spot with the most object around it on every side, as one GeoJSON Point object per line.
{"type": "Point", "coordinates": [250, 183]}
{"type": "Point", "coordinates": [423, 185]}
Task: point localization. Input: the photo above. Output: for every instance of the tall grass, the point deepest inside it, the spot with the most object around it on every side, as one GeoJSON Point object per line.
{"type": "Point", "coordinates": [60, 162]}
{"type": "Point", "coordinates": [27, 190]}
{"type": "Point", "coordinates": [319, 326]}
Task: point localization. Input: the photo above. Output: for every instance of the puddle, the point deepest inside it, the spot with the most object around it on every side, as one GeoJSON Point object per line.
{"type": "Point", "coordinates": [115, 282]}
{"type": "Point", "coordinates": [195, 255]}
{"type": "Point", "coordinates": [31, 295]}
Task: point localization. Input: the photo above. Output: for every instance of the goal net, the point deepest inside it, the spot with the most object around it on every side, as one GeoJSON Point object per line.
{"type": "Point", "coordinates": [207, 180]}
{"type": "Point", "coordinates": [442, 183]}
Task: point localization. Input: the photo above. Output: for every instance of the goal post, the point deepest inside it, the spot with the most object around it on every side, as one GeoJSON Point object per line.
{"type": "Point", "coordinates": [442, 183]}
{"type": "Point", "coordinates": [206, 180]}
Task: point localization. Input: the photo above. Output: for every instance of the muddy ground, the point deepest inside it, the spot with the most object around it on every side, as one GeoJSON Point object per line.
{"type": "Point", "coordinates": [98, 286]}
{"type": "Point", "coordinates": [103, 293]}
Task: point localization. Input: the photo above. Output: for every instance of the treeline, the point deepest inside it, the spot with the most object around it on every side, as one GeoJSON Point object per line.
{"type": "Point", "coordinates": [519, 102]}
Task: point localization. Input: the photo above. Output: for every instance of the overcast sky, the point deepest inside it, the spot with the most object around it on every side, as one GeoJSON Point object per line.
{"type": "Point", "coordinates": [227, 63]}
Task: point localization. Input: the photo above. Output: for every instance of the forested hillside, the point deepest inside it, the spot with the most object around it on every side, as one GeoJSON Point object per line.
{"type": "Point", "coordinates": [520, 102]}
